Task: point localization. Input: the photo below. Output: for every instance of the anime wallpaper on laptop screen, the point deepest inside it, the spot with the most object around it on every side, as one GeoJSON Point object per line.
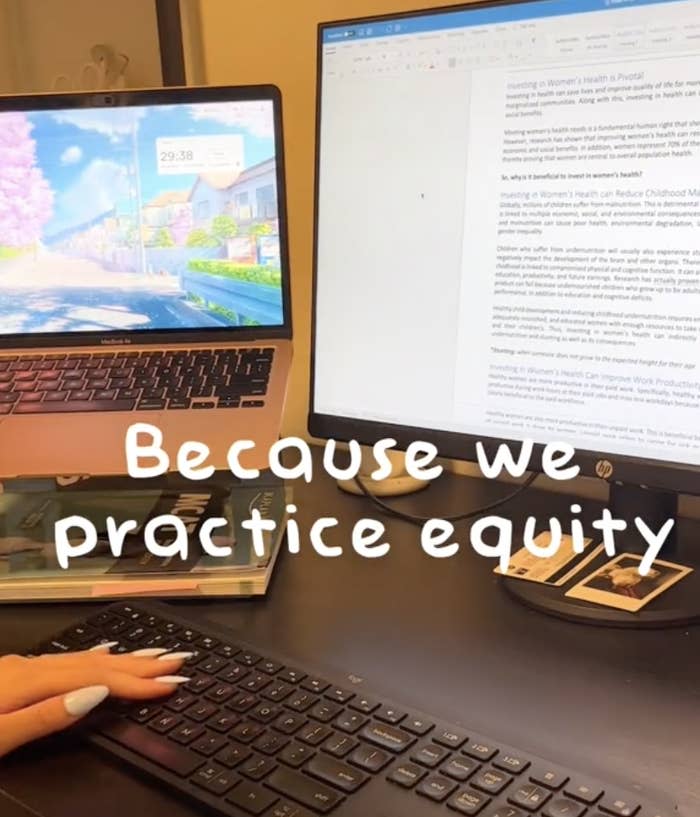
{"type": "Point", "coordinates": [130, 218]}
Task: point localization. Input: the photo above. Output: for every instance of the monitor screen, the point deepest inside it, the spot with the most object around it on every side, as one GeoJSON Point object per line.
{"type": "Point", "coordinates": [139, 217]}
{"type": "Point", "coordinates": [507, 239]}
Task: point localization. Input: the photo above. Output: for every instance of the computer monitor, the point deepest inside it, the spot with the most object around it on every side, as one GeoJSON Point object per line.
{"type": "Point", "coordinates": [506, 234]}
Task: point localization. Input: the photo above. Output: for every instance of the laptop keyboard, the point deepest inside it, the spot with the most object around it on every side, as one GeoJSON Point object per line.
{"type": "Point", "coordinates": [134, 381]}
{"type": "Point", "coordinates": [251, 734]}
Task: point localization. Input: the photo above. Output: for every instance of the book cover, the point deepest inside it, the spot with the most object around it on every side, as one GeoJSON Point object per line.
{"type": "Point", "coordinates": [27, 519]}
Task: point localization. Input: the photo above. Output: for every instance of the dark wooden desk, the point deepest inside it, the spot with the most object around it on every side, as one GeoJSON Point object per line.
{"type": "Point", "coordinates": [437, 634]}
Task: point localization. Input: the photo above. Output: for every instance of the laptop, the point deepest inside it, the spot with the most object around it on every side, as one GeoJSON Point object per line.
{"type": "Point", "coordinates": [144, 275]}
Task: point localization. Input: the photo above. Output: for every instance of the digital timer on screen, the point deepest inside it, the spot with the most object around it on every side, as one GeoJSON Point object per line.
{"type": "Point", "coordinates": [200, 154]}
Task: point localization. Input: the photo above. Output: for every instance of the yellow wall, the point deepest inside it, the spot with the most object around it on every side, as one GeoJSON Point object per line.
{"type": "Point", "coordinates": [40, 39]}
{"type": "Point", "coordinates": [276, 42]}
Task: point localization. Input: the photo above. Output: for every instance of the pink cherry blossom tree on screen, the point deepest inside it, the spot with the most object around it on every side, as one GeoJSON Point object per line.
{"type": "Point", "coordinates": [26, 199]}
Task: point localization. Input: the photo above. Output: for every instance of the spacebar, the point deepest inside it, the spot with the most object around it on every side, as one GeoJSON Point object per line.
{"type": "Point", "coordinates": [153, 747]}
{"type": "Point", "coordinates": [62, 406]}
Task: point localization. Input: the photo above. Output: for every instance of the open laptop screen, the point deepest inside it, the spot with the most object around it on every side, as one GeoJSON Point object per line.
{"type": "Point", "coordinates": [140, 217]}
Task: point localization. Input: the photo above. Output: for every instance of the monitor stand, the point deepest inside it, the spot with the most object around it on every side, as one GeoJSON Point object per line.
{"type": "Point", "coordinates": [398, 483]}
{"type": "Point", "coordinates": [677, 607]}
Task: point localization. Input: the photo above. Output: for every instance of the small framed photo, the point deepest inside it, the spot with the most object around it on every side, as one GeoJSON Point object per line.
{"type": "Point", "coordinates": [620, 584]}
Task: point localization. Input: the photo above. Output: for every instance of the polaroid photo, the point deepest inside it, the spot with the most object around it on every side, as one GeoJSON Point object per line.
{"type": "Point", "coordinates": [620, 584]}
{"type": "Point", "coordinates": [556, 570]}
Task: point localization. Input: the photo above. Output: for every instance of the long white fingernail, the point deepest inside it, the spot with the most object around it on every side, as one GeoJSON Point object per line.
{"type": "Point", "coordinates": [84, 700]}
{"type": "Point", "coordinates": [172, 679]}
{"type": "Point", "coordinates": [103, 647]}
{"type": "Point", "coordinates": [176, 656]}
{"type": "Point", "coordinates": [149, 652]}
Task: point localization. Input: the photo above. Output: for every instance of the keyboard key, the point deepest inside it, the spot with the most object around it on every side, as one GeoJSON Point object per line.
{"type": "Point", "coordinates": [315, 733]}
{"type": "Point", "coordinates": [292, 676]}
{"type": "Point", "coordinates": [215, 779]}
{"type": "Point", "coordinates": [256, 682]}
{"type": "Point", "coordinates": [436, 788]}
{"type": "Point", "coordinates": [460, 768]}
{"type": "Point", "coordinates": [468, 802]}
{"type": "Point", "coordinates": [242, 702]}
{"type": "Point", "coordinates": [265, 712]}
{"type": "Point", "coordinates": [199, 684]}
{"type": "Point", "coordinates": [530, 796]}
{"type": "Point", "coordinates": [156, 748]}
{"type": "Point", "coordinates": [223, 722]}
{"type": "Point", "coordinates": [296, 754]}
{"type": "Point", "coordinates": [201, 711]}
{"type": "Point", "coordinates": [480, 751]}
{"type": "Point", "coordinates": [164, 723]}
{"type": "Point", "coordinates": [278, 691]}
{"type": "Point", "coordinates": [145, 713]}
{"type": "Point", "coordinates": [563, 807]}
{"type": "Point", "coordinates": [618, 806]}
{"type": "Point", "coordinates": [221, 693]}
{"type": "Point", "coordinates": [339, 745]}
{"type": "Point", "coordinates": [325, 711]}
{"type": "Point", "coordinates": [270, 667]}
{"type": "Point", "coordinates": [208, 643]}
{"type": "Point", "coordinates": [187, 733]}
{"type": "Point", "coordinates": [247, 731]}
{"type": "Point", "coordinates": [350, 722]}
{"type": "Point", "coordinates": [209, 744]}
{"type": "Point", "coordinates": [269, 743]}
{"type": "Point", "coordinates": [429, 755]}
{"type": "Point", "coordinates": [257, 766]}
{"type": "Point", "coordinates": [387, 737]}
{"type": "Point", "coordinates": [289, 723]}
{"type": "Point", "coordinates": [335, 772]}
{"type": "Point", "coordinates": [213, 664]}
{"type": "Point", "coordinates": [551, 778]}
{"type": "Point", "coordinates": [418, 726]}
{"type": "Point", "coordinates": [342, 696]}
{"type": "Point", "coordinates": [368, 758]}
{"type": "Point", "coordinates": [492, 781]}
{"type": "Point", "coordinates": [81, 634]}
{"type": "Point", "coordinates": [233, 755]}
{"type": "Point", "coordinates": [450, 739]}
{"type": "Point", "coordinates": [389, 714]}
{"type": "Point", "coordinates": [508, 811]}
{"type": "Point", "coordinates": [365, 705]}
{"type": "Point", "coordinates": [317, 685]}
{"type": "Point", "coordinates": [247, 658]}
{"type": "Point", "coordinates": [511, 763]}
{"type": "Point", "coordinates": [251, 798]}
{"type": "Point", "coordinates": [303, 789]}
{"type": "Point", "coordinates": [66, 406]}
{"type": "Point", "coordinates": [233, 674]}
{"type": "Point", "coordinates": [301, 701]}
{"type": "Point", "coordinates": [226, 650]}
{"type": "Point", "coordinates": [407, 775]}
{"type": "Point", "coordinates": [585, 792]}
{"type": "Point", "coordinates": [206, 774]}
{"type": "Point", "coordinates": [283, 808]}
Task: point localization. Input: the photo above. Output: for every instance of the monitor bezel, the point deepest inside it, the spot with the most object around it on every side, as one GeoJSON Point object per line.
{"type": "Point", "coordinates": [623, 468]}
{"type": "Point", "coordinates": [168, 96]}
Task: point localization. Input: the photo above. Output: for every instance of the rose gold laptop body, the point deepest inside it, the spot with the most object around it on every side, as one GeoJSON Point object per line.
{"type": "Point", "coordinates": [89, 441]}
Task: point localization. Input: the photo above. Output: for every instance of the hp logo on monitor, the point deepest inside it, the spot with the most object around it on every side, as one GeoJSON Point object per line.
{"type": "Point", "coordinates": [604, 469]}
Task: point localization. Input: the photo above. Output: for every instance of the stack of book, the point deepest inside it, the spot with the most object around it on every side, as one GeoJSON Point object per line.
{"type": "Point", "coordinates": [29, 509]}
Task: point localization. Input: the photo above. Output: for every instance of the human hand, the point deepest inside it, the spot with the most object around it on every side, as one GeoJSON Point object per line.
{"type": "Point", "coordinates": [47, 693]}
